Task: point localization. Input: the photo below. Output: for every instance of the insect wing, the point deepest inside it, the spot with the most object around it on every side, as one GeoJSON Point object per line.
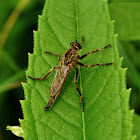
{"type": "Point", "coordinates": [59, 79]}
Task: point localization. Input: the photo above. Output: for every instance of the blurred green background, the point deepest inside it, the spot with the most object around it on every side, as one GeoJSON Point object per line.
{"type": "Point", "coordinates": [14, 60]}
{"type": "Point", "coordinates": [15, 43]}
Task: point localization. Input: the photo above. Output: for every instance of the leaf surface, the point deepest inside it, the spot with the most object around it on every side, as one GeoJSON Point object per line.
{"type": "Point", "coordinates": [136, 123]}
{"type": "Point", "coordinates": [107, 114]}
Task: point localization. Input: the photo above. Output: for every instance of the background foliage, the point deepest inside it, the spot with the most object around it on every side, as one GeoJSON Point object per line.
{"type": "Point", "coordinates": [13, 56]}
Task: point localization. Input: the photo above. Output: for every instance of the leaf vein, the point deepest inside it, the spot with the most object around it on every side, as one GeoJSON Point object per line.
{"type": "Point", "coordinates": [52, 129]}
{"type": "Point", "coordinates": [63, 25]}
{"type": "Point", "coordinates": [56, 36]}
{"type": "Point", "coordinates": [62, 13]}
{"type": "Point", "coordinates": [101, 90]}
{"type": "Point", "coordinates": [72, 124]}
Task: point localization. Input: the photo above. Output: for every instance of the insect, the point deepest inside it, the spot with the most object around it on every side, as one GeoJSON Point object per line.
{"type": "Point", "coordinates": [69, 60]}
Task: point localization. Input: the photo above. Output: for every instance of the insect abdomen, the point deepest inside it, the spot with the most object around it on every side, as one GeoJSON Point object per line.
{"type": "Point", "coordinates": [57, 84]}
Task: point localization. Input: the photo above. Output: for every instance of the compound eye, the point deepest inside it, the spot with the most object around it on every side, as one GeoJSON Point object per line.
{"type": "Point", "coordinates": [78, 46]}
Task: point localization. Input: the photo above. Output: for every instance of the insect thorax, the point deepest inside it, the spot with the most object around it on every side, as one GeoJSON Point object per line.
{"type": "Point", "coordinates": [71, 56]}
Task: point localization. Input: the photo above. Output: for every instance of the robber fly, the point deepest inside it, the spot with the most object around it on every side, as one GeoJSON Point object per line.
{"type": "Point", "coordinates": [69, 60]}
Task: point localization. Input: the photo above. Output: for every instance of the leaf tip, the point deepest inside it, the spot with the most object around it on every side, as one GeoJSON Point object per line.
{"type": "Point", "coordinates": [125, 69]}
{"type": "Point", "coordinates": [132, 111]}
{"type": "Point", "coordinates": [19, 120]}
{"type": "Point", "coordinates": [21, 101]}
{"type": "Point", "coordinates": [22, 82]}
{"type": "Point", "coordinates": [134, 137]}
{"type": "Point", "coordinates": [122, 58]}
{"type": "Point", "coordinates": [16, 130]}
{"type": "Point", "coordinates": [129, 89]}
{"type": "Point", "coordinates": [113, 21]}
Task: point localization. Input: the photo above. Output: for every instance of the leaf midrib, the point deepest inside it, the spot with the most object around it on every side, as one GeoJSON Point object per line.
{"type": "Point", "coordinates": [83, 117]}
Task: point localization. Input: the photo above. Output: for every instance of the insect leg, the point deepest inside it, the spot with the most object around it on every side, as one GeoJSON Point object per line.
{"type": "Point", "coordinates": [83, 56]}
{"type": "Point", "coordinates": [82, 40]}
{"type": "Point", "coordinates": [54, 54]}
{"type": "Point", "coordinates": [101, 64]}
{"type": "Point", "coordinates": [43, 78]}
{"type": "Point", "coordinates": [75, 81]}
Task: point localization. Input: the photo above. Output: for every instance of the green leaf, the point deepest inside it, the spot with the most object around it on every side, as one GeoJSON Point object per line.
{"type": "Point", "coordinates": [136, 123]}
{"type": "Point", "coordinates": [126, 16]}
{"type": "Point", "coordinates": [124, 0]}
{"type": "Point", "coordinates": [106, 98]}
{"type": "Point", "coordinates": [132, 71]}
{"type": "Point", "coordinates": [16, 130]}
{"type": "Point", "coordinates": [133, 76]}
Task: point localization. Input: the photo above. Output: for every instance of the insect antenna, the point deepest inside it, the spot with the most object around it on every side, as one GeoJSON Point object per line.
{"type": "Point", "coordinates": [76, 39]}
